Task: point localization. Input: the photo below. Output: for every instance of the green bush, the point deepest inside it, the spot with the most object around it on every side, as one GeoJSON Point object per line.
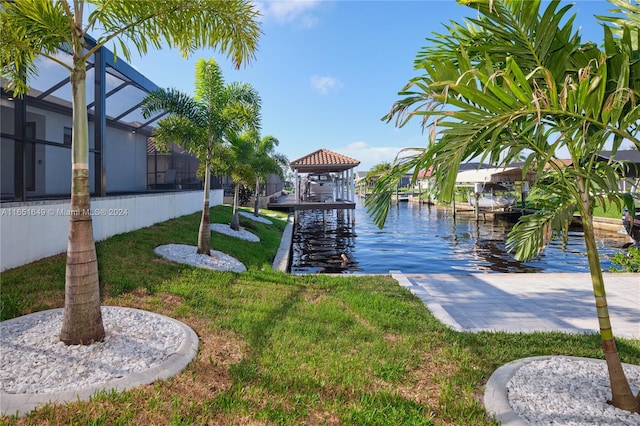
{"type": "Point", "coordinates": [629, 262]}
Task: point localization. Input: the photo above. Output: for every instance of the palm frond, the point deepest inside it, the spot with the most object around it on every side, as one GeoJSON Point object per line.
{"type": "Point", "coordinates": [231, 26]}
{"type": "Point", "coordinates": [209, 82]}
{"type": "Point", "coordinates": [378, 202]}
{"type": "Point", "coordinates": [31, 28]}
{"type": "Point", "coordinates": [554, 212]}
{"type": "Point", "coordinates": [174, 102]}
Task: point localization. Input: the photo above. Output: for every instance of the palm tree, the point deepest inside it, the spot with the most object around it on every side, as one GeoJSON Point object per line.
{"type": "Point", "coordinates": [518, 81]}
{"type": "Point", "coordinates": [43, 28]}
{"type": "Point", "coordinates": [377, 171]}
{"type": "Point", "coordinates": [238, 162]}
{"type": "Point", "coordinates": [201, 124]}
{"type": "Point", "coordinates": [265, 161]}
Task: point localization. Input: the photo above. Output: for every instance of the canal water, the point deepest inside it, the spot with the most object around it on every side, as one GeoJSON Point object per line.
{"type": "Point", "coordinates": [425, 239]}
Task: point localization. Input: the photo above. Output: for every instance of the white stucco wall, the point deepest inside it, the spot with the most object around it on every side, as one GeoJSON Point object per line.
{"type": "Point", "coordinates": [38, 229]}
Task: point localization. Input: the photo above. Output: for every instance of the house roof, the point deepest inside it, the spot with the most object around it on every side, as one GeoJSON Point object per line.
{"type": "Point", "coordinates": [493, 175]}
{"type": "Point", "coordinates": [480, 175]}
{"type": "Point", "coordinates": [423, 174]}
{"type": "Point", "coordinates": [323, 160]}
{"type": "Point", "coordinates": [560, 162]}
{"type": "Point", "coordinates": [630, 157]}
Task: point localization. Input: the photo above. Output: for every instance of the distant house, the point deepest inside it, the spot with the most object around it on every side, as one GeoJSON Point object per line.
{"type": "Point", "coordinates": [501, 175]}
{"type": "Point", "coordinates": [631, 166]}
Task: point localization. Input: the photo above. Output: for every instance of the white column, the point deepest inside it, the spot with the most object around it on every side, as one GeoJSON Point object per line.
{"type": "Point", "coordinates": [296, 189]}
{"type": "Point", "coordinates": [352, 184]}
{"type": "Point", "coordinates": [345, 185]}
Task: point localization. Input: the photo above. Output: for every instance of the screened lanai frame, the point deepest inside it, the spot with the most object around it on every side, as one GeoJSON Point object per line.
{"type": "Point", "coordinates": [114, 93]}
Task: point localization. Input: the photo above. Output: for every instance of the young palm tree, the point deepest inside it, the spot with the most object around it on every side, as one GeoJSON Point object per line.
{"type": "Point", "coordinates": [35, 28]}
{"type": "Point", "coordinates": [242, 149]}
{"type": "Point", "coordinates": [201, 124]}
{"type": "Point", "coordinates": [265, 161]}
{"type": "Point", "coordinates": [516, 81]}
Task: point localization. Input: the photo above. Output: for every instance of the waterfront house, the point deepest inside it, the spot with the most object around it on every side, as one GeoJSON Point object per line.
{"type": "Point", "coordinates": [131, 183]}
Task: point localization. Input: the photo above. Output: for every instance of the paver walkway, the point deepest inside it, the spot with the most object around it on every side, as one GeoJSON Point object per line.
{"type": "Point", "coordinates": [527, 302]}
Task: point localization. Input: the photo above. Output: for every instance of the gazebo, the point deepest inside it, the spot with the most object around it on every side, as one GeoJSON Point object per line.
{"type": "Point", "coordinates": [325, 161]}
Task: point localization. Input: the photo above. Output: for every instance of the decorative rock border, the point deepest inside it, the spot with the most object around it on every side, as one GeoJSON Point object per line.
{"type": "Point", "coordinates": [242, 234]}
{"type": "Point", "coordinates": [22, 404]}
{"type": "Point", "coordinates": [496, 396]}
{"type": "Point", "coordinates": [254, 218]}
{"type": "Point", "coordinates": [181, 253]}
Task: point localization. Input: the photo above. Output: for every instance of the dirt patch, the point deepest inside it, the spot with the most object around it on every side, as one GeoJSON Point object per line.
{"type": "Point", "coordinates": [209, 374]}
{"type": "Point", "coordinates": [183, 397]}
{"type": "Point", "coordinates": [313, 297]}
{"type": "Point", "coordinates": [317, 417]}
{"type": "Point", "coordinates": [424, 382]}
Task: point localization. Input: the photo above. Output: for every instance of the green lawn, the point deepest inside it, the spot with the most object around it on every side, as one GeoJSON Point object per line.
{"type": "Point", "coordinates": [282, 349]}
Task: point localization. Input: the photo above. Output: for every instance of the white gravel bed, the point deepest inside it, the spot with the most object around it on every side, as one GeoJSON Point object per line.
{"type": "Point", "coordinates": [242, 233]}
{"type": "Point", "coordinates": [566, 391]}
{"type": "Point", "coordinates": [257, 219]}
{"type": "Point", "coordinates": [182, 253]}
{"type": "Point", "coordinates": [33, 360]}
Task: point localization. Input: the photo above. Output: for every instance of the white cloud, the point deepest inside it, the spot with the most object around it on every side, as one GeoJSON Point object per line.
{"type": "Point", "coordinates": [369, 155]}
{"type": "Point", "coordinates": [298, 12]}
{"type": "Point", "coordinates": [323, 84]}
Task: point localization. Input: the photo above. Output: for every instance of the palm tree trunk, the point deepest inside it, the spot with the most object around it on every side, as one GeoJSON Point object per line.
{"type": "Point", "coordinates": [235, 220]}
{"type": "Point", "coordinates": [82, 319]}
{"type": "Point", "coordinates": [622, 396]}
{"type": "Point", "coordinates": [256, 203]}
{"type": "Point", "coordinates": [204, 233]}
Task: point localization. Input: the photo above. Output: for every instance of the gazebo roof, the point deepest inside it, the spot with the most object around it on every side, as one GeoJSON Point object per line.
{"type": "Point", "coordinates": [323, 160]}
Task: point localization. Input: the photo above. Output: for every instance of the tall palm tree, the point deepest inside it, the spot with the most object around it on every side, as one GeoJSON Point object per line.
{"type": "Point", "coordinates": [517, 80]}
{"type": "Point", "coordinates": [201, 124]}
{"type": "Point", "coordinates": [43, 28]}
{"type": "Point", "coordinates": [265, 162]}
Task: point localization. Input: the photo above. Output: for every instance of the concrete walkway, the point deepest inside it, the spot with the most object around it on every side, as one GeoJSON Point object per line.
{"type": "Point", "coordinates": [527, 302]}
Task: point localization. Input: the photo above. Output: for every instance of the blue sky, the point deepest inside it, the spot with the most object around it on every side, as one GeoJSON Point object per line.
{"type": "Point", "coordinates": [327, 71]}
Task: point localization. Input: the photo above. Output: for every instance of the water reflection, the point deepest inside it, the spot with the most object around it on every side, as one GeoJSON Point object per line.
{"type": "Point", "coordinates": [324, 242]}
{"type": "Point", "coordinates": [423, 239]}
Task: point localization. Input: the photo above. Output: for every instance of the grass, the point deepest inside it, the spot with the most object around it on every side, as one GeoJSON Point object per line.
{"type": "Point", "coordinates": [612, 211]}
{"type": "Point", "coordinates": [282, 349]}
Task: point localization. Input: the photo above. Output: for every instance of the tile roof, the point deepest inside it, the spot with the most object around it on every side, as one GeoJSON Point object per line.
{"type": "Point", "coordinates": [323, 160]}
{"type": "Point", "coordinates": [560, 162]}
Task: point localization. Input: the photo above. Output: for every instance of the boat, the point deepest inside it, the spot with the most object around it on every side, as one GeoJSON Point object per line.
{"type": "Point", "coordinates": [487, 201]}
{"type": "Point", "coordinates": [319, 187]}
